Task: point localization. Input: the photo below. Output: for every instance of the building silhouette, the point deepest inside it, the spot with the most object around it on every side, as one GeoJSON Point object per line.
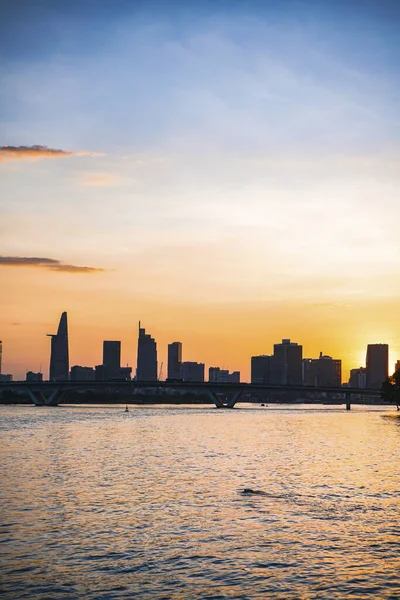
{"type": "Point", "coordinates": [358, 378]}
{"type": "Point", "coordinates": [3, 376]}
{"type": "Point", "coordinates": [100, 373]}
{"type": "Point", "coordinates": [234, 377]}
{"type": "Point", "coordinates": [59, 360]}
{"type": "Point", "coordinates": [125, 373]}
{"type": "Point", "coordinates": [260, 369]}
{"type": "Point", "coordinates": [192, 371]}
{"type": "Point", "coordinates": [33, 377]}
{"type": "Point", "coordinates": [146, 369]}
{"type": "Point", "coordinates": [286, 364]}
{"type": "Point", "coordinates": [377, 365]}
{"type": "Point", "coordinates": [112, 358]}
{"type": "Point", "coordinates": [322, 371]}
{"type": "Point", "coordinates": [79, 373]}
{"type": "Point", "coordinates": [217, 375]}
{"type": "Point", "coordinates": [397, 366]}
{"type": "Point", "coordinates": [174, 360]}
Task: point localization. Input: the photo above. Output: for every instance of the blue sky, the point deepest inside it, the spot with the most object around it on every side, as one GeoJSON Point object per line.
{"type": "Point", "coordinates": [240, 75]}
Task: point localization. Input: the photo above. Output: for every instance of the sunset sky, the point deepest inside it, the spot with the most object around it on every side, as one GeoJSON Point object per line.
{"type": "Point", "coordinates": [226, 172]}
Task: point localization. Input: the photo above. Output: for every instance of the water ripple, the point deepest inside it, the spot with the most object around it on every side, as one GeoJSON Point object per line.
{"type": "Point", "coordinates": [96, 504]}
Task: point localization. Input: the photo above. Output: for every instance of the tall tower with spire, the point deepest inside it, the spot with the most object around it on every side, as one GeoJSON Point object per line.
{"type": "Point", "coordinates": [59, 357]}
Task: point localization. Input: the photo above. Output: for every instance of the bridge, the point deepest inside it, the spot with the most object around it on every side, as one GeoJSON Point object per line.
{"type": "Point", "coordinates": [223, 395]}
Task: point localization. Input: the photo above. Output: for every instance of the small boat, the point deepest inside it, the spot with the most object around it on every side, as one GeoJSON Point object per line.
{"type": "Point", "coordinates": [126, 408]}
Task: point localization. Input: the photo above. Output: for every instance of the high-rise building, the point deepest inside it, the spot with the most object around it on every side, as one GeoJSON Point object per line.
{"type": "Point", "coordinates": [112, 358]}
{"type": "Point", "coordinates": [3, 376]}
{"type": "Point", "coordinates": [34, 377]}
{"type": "Point", "coordinates": [260, 369]}
{"type": "Point", "coordinates": [286, 363]}
{"type": "Point", "coordinates": [79, 373]}
{"type": "Point", "coordinates": [174, 360]}
{"type": "Point", "coordinates": [397, 366]}
{"type": "Point", "coordinates": [358, 378]}
{"type": "Point", "coordinates": [146, 357]}
{"type": "Point", "coordinates": [377, 364]}
{"type": "Point", "coordinates": [322, 371]}
{"type": "Point", "coordinates": [59, 360]}
{"type": "Point", "coordinates": [192, 371]}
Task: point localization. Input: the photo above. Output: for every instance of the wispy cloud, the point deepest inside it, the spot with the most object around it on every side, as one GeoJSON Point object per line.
{"type": "Point", "coordinates": [37, 152]}
{"type": "Point", "coordinates": [45, 263]}
{"type": "Point", "coordinates": [99, 180]}
{"type": "Point", "coordinates": [30, 152]}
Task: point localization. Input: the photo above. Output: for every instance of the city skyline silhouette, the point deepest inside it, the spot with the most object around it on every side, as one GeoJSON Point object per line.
{"type": "Point", "coordinates": [146, 365]}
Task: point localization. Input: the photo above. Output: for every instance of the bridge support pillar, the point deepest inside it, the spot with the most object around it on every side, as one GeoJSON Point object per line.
{"type": "Point", "coordinates": [348, 399]}
{"type": "Point", "coordinates": [41, 399]}
{"type": "Point", "coordinates": [235, 397]}
{"type": "Point", "coordinates": [218, 403]}
{"type": "Point", "coordinates": [35, 397]}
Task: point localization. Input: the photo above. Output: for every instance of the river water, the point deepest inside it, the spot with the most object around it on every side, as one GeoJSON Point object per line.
{"type": "Point", "coordinates": [100, 504]}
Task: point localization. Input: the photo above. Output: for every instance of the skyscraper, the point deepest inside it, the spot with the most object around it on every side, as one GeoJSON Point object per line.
{"type": "Point", "coordinates": [286, 363]}
{"type": "Point", "coordinates": [377, 364]}
{"type": "Point", "coordinates": [59, 361]}
{"type": "Point", "coordinates": [174, 360]}
{"type": "Point", "coordinates": [146, 357]}
{"type": "Point", "coordinates": [260, 369]}
{"type": "Point", "coordinates": [112, 358]}
{"type": "Point", "coordinates": [3, 376]}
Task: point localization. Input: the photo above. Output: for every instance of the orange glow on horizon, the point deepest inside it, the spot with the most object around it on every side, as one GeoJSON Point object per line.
{"type": "Point", "coordinates": [218, 334]}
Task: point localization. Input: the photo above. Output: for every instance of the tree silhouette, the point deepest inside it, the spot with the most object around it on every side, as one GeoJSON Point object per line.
{"type": "Point", "coordinates": [391, 389]}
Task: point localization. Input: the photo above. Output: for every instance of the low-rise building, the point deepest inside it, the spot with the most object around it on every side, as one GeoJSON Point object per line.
{"type": "Point", "coordinates": [322, 371]}
{"type": "Point", "coordinates": [34, 377]}
{"type": "Point", "coordinates": [79, 373]}
{"type": "Point", "coordinates": [192, 371]}
{"type": "Point", "coordinates": [6, 377]}
{"type": "Point", "coordinates": [358, 378]}
{"type": "Point", "coordinates": [217, 375]}
{"type": "Point", "coordinates": [125, 373]}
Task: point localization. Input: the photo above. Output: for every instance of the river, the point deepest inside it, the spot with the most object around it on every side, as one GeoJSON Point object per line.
{"type": "Point", "coordinates": [100, 504]}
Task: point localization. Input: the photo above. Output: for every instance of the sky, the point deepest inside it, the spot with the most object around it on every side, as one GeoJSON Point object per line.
{"type": "Point", "coordinates": [225, 172]}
